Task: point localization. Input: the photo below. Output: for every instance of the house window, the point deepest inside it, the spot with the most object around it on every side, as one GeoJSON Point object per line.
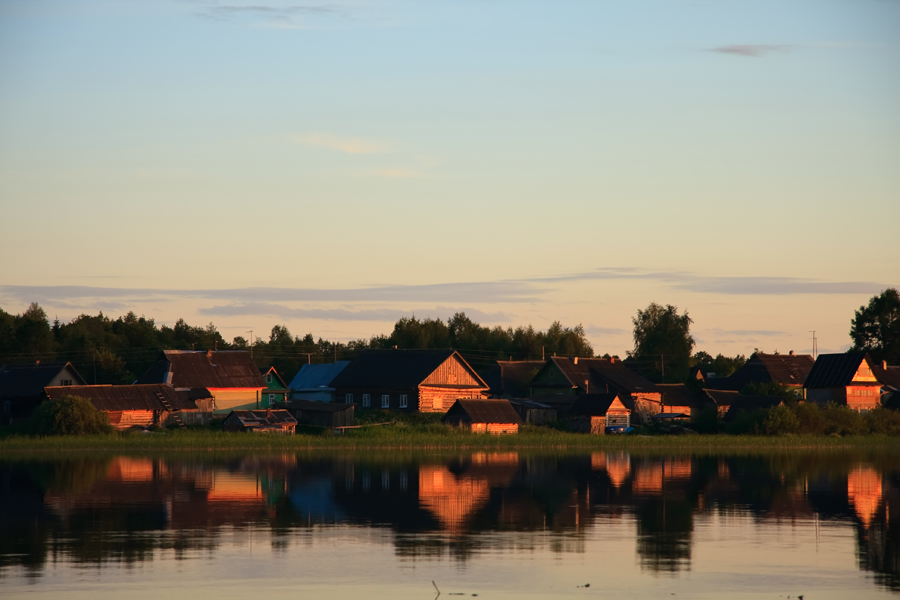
{"type": "Point", "coordinates": [271, 397]}
{"type": "Point", "coordinates": [552, 373]}
{"type": "Point", "coordinates": [268, 378]}
{"type": "Point", "coordinates": [348, 398]}
{"type": "Point", "coordinates": [403, 401]}
{"type": "Point", "coordinates": [385, 401]}
{"type": "Point", "coordinates": [404, 480]}
{"type": "Point", "coordinates": [65, 382]}
{"type": "Point", "coordinates": [367, 400]}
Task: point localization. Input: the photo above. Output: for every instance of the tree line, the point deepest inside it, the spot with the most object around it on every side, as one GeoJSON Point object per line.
{"type": "Point", "coordinates": [106, 350]}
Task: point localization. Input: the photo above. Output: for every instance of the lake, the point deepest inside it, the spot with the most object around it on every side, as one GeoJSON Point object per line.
{"type": "Point", "coordinates": [492, 524]}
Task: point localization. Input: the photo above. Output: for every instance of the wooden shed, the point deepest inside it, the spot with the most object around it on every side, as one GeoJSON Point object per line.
{"type": "Point", "coordinates": [594, 413]}
{"type": "Point", "coordinates": [277, 421]}
{"type": "Point", "coordinates": [536, 413]}
{"type": "Point", "coordinates": [484, 416]}
{"type": "Point", "coordinates": [322, 414]}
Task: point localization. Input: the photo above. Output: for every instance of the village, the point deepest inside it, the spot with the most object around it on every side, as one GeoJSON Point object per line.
{"type": "Point", "coordinates": [225, 388]}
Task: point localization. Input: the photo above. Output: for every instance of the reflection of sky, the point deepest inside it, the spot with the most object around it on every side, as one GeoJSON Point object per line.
{"type": "Point", "coordinates": [314, 500]}
{"type": "Point", "coordinates": [388, 157]}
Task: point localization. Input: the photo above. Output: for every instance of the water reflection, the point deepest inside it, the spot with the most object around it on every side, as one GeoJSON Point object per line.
{"type": "Point", "coordinates": [132, 509]}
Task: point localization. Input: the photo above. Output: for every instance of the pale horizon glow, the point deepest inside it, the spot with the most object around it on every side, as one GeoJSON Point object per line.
{"type": "Point", "coordinates": [334, 166]}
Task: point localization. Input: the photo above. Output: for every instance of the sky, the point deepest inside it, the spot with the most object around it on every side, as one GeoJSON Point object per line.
{"type": "Point", "coordinates": [333, 166]}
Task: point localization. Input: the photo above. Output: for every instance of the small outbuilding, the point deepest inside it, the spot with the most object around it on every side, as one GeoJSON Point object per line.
{"type": "Point", "coordinates": [536, 413]}
{"type": "Point", "coordinates": [484, 416]}
{"type": "Point", "coordinates": [331, 415]}
{"type": "Point", "coordinates": [277, 421]}
{"type": "Point", "coordinates": [598, 413]}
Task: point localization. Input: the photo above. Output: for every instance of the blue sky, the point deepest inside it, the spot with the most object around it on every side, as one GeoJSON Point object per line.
{"type": "Point", "coordinates": [332, 166]}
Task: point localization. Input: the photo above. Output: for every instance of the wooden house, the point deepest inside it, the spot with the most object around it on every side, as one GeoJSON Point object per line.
{"type": "Point", "coordinates": [575, 376]}
{"type": "Point", "coordinates": [321, 414]}
{"type": "Point", "coordinates": [313, 382]}
{"type": "Point", "coordinates": [484, 416]}
{"type": "Point", "coordinates": [847, 379]}
{"type": "Point", "coordinates": [142, 405]}
{"type": "Point", "coordinates": [230, 376]}
{"type": "Point", "coordinates": [411, 380]}
{"type": "Point", "coordinates": [785, 369]}
{"type": "Point", "coordinates": [889, 378]}
{"type": "Point", "coordinates": [276, 389]}
{"type": "Point", "coordinates": [22, 386]}
{"type": "Point", "coordinates": [276, 421]}
{"type": "Point", "coordinates": [594, 413]}
{"type": "Point", "coordinates": [511, 378]}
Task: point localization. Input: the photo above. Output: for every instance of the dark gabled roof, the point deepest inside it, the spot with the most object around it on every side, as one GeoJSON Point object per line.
{"type": "Point", "coordinates": [721, 397]}
{"type": "Point", "coordinates": [261, 418]}
{"type": "Point", "coordinates": [126, 397]}
{"type": "Point", "coordinates": [212, 369]}
{"type": "Point", "coordinates": [512, 377]}
{"type": "Point", "coordinates": [266, 370]}
{"type": "Point", "coordinates": [835, 370]}
{"type": "Point", "coordinates": [317, 377]}
{"type": "Point", "coordinates": [26, 380]}
{"type": "Point", "coordinates": [603, 372]}
{"type": "Point", "coordinates": [484, 411]}
{"type": "Point", "coordinates": [593, 405]}
{"type": "Point", "coordinates": [396, 368]}
{"type": "Point", "coordinates": [887, 376]}
{"type": "Point", "coordinates": [678, 394]}
{"type": "Point", "coordinates": [786, 369]}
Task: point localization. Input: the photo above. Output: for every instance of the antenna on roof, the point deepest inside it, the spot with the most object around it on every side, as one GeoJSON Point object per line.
{"type": "Point", "coordinates": [815, 344]}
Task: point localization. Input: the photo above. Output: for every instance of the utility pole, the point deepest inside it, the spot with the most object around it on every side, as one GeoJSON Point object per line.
{"type": "Point", "coordinates": [815, 344]}
{"type": "Point", "coordinates": [251, 342]}
{"type": "Point", "coordinates": [662, 364]}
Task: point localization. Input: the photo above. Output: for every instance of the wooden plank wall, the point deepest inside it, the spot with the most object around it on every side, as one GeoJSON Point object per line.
{"type": "Point", "coordinates": [451, 372]}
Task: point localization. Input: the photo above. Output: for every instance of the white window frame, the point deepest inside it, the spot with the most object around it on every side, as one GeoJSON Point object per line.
{"type": "Point", "coordinates": [367, 400]}
{"type": "Point", "coordinates": [385, 401]}
{"type": "Point", "coordinates": [348, 398]}
{"type": "Point", "coordinates": [271, 397]}
{"type": "Point", "coordinates": [404, 401]}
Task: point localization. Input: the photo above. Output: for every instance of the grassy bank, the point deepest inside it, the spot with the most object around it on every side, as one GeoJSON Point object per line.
{"type": "Point", "coordinates": [406, 438]}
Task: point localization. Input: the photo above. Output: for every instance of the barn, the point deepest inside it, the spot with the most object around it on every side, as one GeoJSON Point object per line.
{"type": "Point", "coordinates": [594, 413]}
{"type": "Point", "coordinates": [484, 416]}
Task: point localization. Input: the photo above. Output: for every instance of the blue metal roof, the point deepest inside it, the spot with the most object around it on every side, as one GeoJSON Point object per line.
{"type": "Point", "coordinates": [317, 377]}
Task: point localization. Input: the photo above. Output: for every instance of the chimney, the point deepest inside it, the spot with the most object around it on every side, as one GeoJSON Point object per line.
{"type": "Point", "coordinates": [884, 364]}
{"type": "Point", "coordinates": [612, 359]}
{"type": "Point", "coordinates": [575, 360]}
{"type": "Point", "coordinates": [209, 354]}
{"type": "Point", "coordinates": [791, 353]}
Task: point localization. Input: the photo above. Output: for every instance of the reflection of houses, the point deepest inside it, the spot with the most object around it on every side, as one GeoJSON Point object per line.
{"type": "Point", "coordinates": [453, 498]}
{"type": "Point", "coordinates": [22, 386]}
{"type": "Point", "coordinates": [231, 376]}
{"type": "Point", "coordinates": [313, 382]}
{"type": "Point", "coordinates": [142, 405]}
{"type": "Point", "coordinates": [483, 416]}
{"type": "Point", "coordinates": [575, 376]}
{"type": "Point", "coordinates": [651, 476]}
{"type": "Point", "coordinates": [413, 380]}
{"type": "Point", "coordinates": [864, 493]}
{"type": "Point", "coordinates": [845, 379]}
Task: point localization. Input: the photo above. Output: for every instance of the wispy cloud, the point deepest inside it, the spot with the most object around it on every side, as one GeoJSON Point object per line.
{"type": "Point", "coordinates": [393, 173]}
{"type": "Point", "coordinates": [752, 50]}
{"type": "Point", "coordinates": [285, 13]}
{"type": "Point", "coordinates": [748, 332]}
{"type": "Point", "coordinates": [330, 141]}
{"type": "Point", "coordinates": [599, 331]}
{"type": "Point", "coordinates": [348, 314]}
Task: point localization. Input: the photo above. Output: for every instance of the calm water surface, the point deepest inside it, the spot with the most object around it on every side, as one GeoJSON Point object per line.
{"type": "Point", "coordinates": [499, 525]}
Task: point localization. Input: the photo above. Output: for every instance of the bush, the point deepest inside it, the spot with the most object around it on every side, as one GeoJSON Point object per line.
{"type": "Point", "coordinates": [811, 419]}
{"type": "Point", "coordinates": [706, 420]}
{"type": "Point", "coordinates": [69, 415]}
{"type": "Point", "coordinates": [781, 420]}
{"type": "Point", "coordinates": [841, 420]}
{"type": "Point", "coordinates": [883, 421]}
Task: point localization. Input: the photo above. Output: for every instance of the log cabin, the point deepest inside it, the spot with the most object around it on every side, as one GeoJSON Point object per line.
{"type": "Point", "coordinates": [408, 380]}
{"type": "Point", "coordinates": [22, 387]}
{"type": "Point", "coordinates": [230, 376]}
{"type": "Point", "coordinates": [146, 405]}
{"type": "Point", "coordinates": [483, 416]}
{"type": "Point", "coordinates": [847, 379]}
{"type": "Point", "coordinates": [788, 369]}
